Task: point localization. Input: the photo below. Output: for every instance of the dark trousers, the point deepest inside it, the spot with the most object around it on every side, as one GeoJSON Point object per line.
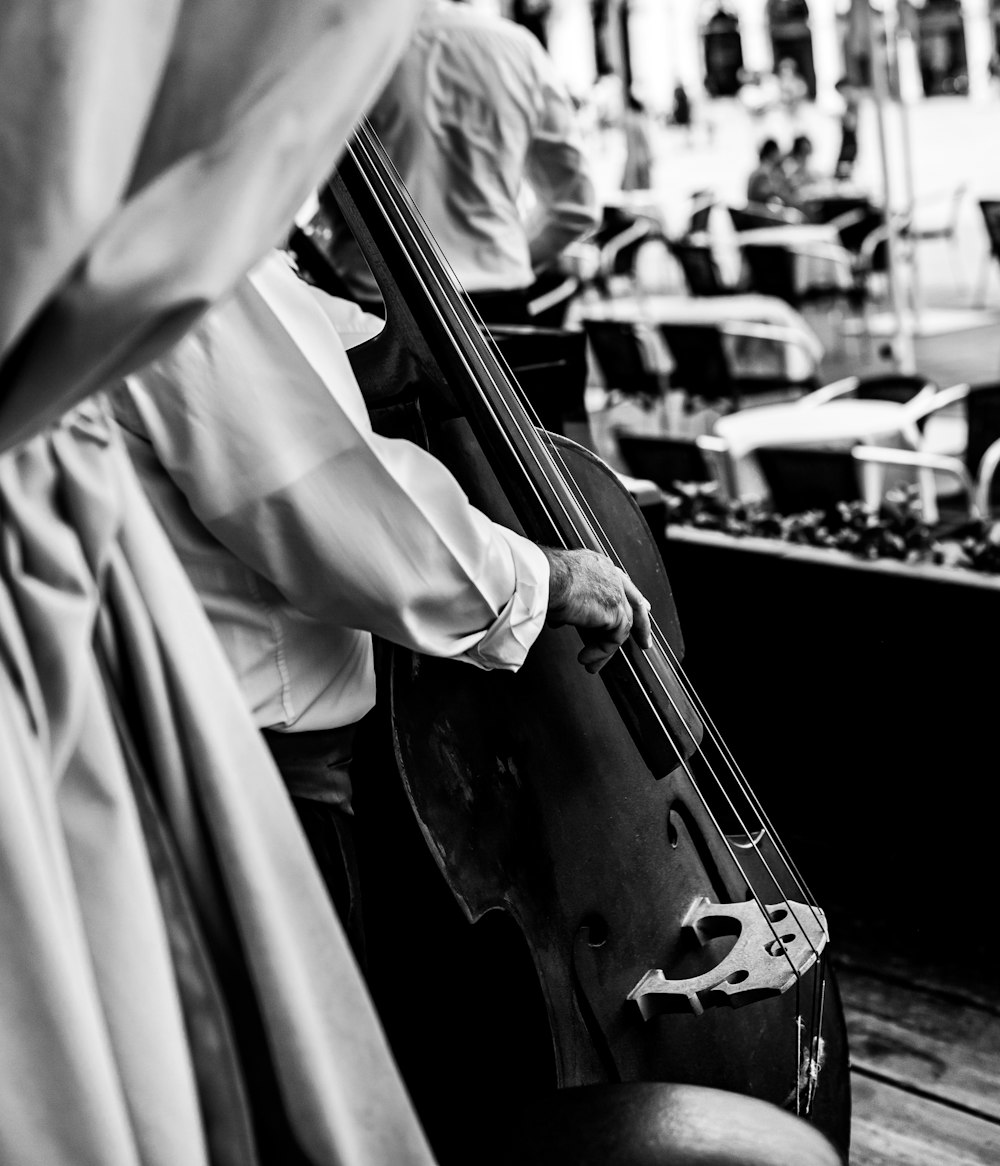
{"type": "Point", "coordinates": [305, 760]}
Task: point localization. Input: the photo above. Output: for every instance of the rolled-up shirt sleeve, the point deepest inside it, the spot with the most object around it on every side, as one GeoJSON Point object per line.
{"type": "Point", "coordinates": [258, 420]}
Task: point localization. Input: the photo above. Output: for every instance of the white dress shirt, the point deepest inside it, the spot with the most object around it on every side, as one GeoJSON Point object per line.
{"type": "Point", "coordinates": [474, 111]}
{"type": "Point", "coordinates": [302, 530]}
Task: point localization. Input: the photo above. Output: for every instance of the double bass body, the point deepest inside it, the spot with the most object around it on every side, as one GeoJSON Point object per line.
{"type": "Point", "coordinates": [537, 803]}
{"type": "Point", "coordinates": [542, 806]}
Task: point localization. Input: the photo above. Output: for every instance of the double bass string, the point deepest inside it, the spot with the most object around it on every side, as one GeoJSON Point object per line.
{"type": "Point", "coordinates": [572, 522]}
{"type": "Point", "coordinates": [743, 784]}
{"type": "Point", "coordinates": [422, 242]}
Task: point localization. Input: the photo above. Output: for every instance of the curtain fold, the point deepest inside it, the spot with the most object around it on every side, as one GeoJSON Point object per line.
{"type": "Point", "coordinates": [150, 154]}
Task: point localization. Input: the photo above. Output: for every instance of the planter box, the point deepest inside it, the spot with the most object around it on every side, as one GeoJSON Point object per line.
{"type": "Point", "coordinates": [860, 701]}
{"type": "Point", "coordinates": [916, 573]}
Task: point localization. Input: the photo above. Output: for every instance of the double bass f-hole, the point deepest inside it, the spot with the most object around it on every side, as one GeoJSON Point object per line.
{"type": "Point", "coordinates": [672, 935]}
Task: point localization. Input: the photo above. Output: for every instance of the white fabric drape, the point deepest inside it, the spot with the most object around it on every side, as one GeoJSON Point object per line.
{"type": "Point", "coordinates": [150, 153]}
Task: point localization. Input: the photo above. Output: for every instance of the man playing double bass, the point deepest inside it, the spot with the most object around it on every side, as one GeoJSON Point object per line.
{"type": "Point", "coordinates": [304, 532]}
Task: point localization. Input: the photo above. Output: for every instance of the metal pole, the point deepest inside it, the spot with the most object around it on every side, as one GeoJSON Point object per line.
{"type": "Point", "coordinates": [903, 37]}
{"type": "Point", "coordinates": [880, 38]}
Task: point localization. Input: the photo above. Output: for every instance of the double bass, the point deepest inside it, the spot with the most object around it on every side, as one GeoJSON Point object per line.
{"type": "Point", "coordinates": [669, 935]}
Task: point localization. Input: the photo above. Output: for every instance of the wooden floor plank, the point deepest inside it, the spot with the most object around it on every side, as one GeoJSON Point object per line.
{"type": "Point", "coordinates": [891, 1127]}
{"type": "Point", "coordinates": [936, 1045]}
{"type": "Point", "coordinates": [973, 983]}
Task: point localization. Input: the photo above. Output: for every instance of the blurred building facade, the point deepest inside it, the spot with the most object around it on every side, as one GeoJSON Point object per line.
{"type": "Point", "coordinates": [709, 46]}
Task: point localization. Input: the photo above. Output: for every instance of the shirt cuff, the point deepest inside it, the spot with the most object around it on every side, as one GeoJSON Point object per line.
{"type": "Point", "coordinates": [506, 641]}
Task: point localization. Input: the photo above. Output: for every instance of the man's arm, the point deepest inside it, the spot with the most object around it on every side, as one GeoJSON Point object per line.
{"type": "Point", "coordinates": [257, 421]}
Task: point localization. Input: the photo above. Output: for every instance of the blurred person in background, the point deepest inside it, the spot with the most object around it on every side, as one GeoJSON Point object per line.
{"type": "Point", "coordinates": [848, 153]}
{"type": "Point", "coordinates": [792, 91]}
{"type": "Point", "coordinates": [799, 173]}
{"type": "Point", "coordinates": [638, 174]}
{"type": "Point", "coordinates": [680, 114]}
{"type": "Point", "coordinates": [474, 113]}
{"type": "Point", "coordinates": [767, 183]}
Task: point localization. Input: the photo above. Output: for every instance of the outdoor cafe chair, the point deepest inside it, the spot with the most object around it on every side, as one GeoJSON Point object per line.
{"type": "Point", "coordinates": [935, 475]}
{"type": "Point", "coordinates": [939, 224]}
{"type": "Point", "coordinates": [906, 389]}
{"type": "Point", "coordinates": [619, 251]}
{"type": "Point", "coordinates": [975, 427]}
{"type": "Point", "coordinates": [697, 263]}
{"type": "Point", "coordinates": [990, 209]}
{"type": "Point", "coordinates": [668, 458]}
{"type": "Point", "coordinates": [853, 218]}
{"type": "Point", "coordinates": [800, 478]}
{"type": "Point", "coordinates": [550, 365]}
{"type": "Point", "coordinates": [960, 460]}
{"type": "Point", "coordinates": [759, 214]}
{"type": "Point", "coordinates": [871, 260]}
{"type": "Point", "coordinates": [624, 353]}
{"type": "Point", "coordinates": [772, 271]}
{"type": "Point", "coordinates": [987, 496]}
{"type": "Point", "coordinates": [702, 365]}
{"type": "Point", "coordinates": [703, 202]}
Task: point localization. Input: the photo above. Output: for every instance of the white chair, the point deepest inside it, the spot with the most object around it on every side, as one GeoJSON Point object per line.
{"type": "Point", "coordinates": [928, 471]}
{"type": "Point", "coordinates": [719, 460]}
{"type": "Point", "coordinates": [935, 218]}
{"type": "Point", "coordinates": [988, 467]}
{"type": "Point", "coordinates": [914, 391]}
{"type": "Point", "coordinates": [949, 433]}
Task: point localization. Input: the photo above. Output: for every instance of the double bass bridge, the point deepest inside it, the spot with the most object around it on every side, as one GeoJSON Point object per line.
{"type": "Point", "coordinates": [775, 946]}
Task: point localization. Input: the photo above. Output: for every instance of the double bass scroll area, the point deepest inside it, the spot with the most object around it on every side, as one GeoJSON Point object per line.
{"type": "Point", "coordinates": [771, 953]}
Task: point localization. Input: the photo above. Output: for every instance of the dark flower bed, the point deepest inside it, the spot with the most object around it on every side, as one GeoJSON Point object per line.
{"type": "Point", "coordinates": [896, 530]}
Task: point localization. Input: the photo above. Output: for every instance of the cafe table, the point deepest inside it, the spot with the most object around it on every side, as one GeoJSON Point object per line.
{"type": "Point", "coordinates": [837, 424]}
{"type": "Point", "coordinates": [762, 335]}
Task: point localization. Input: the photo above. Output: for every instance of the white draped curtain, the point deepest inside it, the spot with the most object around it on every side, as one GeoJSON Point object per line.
{"type": "Point", "coordinates": [150, 153]}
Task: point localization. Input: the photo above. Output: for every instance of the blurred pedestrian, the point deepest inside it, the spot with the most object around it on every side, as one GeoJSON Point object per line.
{"type": "Point", "coordinates": [799, 173]}
{"type": "Point", "coordinates": [680, 114]}
{"type": "Point", "coordinates": [792, 91]}
{"type": "Point", "coordinates": [638, 173]}
{"type": "Point", "coordinates": [767, 183]}
{"type": "Point", "coordinates": [758, 92]}
{"type": "Point", "coordinates": [847, 156]}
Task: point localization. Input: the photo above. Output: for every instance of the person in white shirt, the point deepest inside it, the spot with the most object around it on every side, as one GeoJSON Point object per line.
{"type": "Point", "coordinates": [478, 123]}
{"type": "Point", "coordinates": [304, 532]}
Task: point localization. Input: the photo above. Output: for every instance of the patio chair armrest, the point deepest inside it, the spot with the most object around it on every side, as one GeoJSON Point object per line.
{"type": "Point", "coordinates": [918, 410]}
{"type": "Point", "coordinates": [642, 228]}
{"type": "Point", "coordinates": [780, 333]}
{"type": "Point", "coordinates": [828, 392]}
{"type": "Point", "coordinates": [835, 252]}
{"type": "Point", "coordinates": [847, 219]}
{"type": "Point", "coordinates": [934, 463]}
{"type": "Point", "coordinates": [984, 478]}
{"type": "Point", "coordinates": [562, 291]}
{"type": "Point", "coordinates": [715, 451]}
{"type": "Point", "coordinates": [873, 239]}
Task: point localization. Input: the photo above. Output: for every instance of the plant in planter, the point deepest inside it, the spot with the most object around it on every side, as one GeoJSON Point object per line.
{"type": "Point", "coordinates": [895, 530]}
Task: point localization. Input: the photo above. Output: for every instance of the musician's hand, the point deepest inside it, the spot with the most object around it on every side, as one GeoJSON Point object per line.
{"type": "Point", "coordinates": [588, 591]}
